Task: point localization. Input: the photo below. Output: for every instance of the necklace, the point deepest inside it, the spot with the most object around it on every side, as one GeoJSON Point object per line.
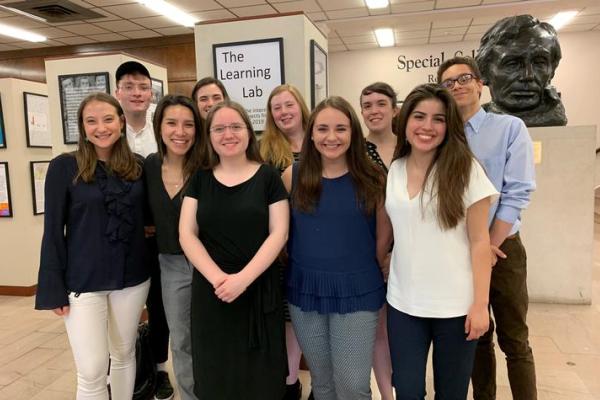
{"type": "Point", "coordinates": [171, 178]}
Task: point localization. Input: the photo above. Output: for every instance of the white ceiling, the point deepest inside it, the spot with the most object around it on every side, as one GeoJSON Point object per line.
{"type": "Point", "coordinates": [348, 23]}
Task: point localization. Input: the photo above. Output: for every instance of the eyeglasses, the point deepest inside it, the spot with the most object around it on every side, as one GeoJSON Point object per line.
{"type": "Point", "coordinates": [132, 88]}
{"type": "Point", "coordinates": [462, 79]}
{"type": "Point", "coordinates": [234, 128]}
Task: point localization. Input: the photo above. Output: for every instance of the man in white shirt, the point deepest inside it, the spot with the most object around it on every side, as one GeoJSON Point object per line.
{"type": "Point", "coordinates": [134, 91]}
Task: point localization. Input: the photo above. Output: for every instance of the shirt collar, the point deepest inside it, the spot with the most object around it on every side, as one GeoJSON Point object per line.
{"type": "Point", "coordinates": [476, 120]}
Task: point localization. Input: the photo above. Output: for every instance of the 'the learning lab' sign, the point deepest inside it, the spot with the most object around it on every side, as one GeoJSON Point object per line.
{"type": "Point", "coordinates": [250, 71]}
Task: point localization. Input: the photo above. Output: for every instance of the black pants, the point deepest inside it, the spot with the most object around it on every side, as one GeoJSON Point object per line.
{"type": "Point", "coordinates": [157, 321]}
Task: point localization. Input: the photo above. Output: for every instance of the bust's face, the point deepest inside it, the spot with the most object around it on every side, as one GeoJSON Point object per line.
{"type": "Point", "coordinates": [520, 70]}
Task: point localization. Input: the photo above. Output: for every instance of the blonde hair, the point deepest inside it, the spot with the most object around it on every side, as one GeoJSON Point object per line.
{"type": "Point", "coordinates": [274, 145]}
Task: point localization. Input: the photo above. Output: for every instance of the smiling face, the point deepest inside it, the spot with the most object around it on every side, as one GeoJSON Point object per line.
{"type": "Point", "coordinates": [286, 113]}
{"type": "Point", "coordinates": [331, 134]}
{"type": "Point", "coordinates": [177, 130]}
{"type": "Point", "coordinates": [134, 92]}
{"type": "Point", "coordinates": [426, 126]}
{"type": "Point", "coordinates": [377, 111]}
{"type": "Point", "coordinates": [206, 97]}
{"type": "Point", "coordinates": [102, 126]}
{"type": "Point", "coordinates": [229, 135]}
{"type": "Point", "coordinates": [467, 95]}
{"type": "Point", "coordinates": [522, 70]}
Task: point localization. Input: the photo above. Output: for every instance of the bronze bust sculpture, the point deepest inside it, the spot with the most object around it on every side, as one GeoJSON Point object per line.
{"type": "Point", "coordinates": [517, 57]}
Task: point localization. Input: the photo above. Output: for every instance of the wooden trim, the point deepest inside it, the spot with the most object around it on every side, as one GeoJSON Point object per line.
{"type": "Point", "coordinates": [18, 290]}
{"type": "Point", "coordinates": [219, 21]}
{"type": "Point", "coordinates": [102, 54]}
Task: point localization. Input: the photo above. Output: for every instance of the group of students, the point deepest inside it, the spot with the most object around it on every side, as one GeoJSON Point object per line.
{"type": "Point", "coordinates": [402, 216]}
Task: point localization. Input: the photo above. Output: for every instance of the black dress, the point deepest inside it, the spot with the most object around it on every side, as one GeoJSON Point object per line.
{"type": "Point", "coordinates": [238, 348]}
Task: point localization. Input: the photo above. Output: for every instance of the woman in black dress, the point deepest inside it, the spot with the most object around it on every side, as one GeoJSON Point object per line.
{"type": "Point", "coordinates": [234, 222]}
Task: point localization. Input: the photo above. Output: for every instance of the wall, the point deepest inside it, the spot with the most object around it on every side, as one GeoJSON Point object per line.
{"type": "Point", "coordinates": [20, 235]}
{"type": "Point", "coordinates": [576, 77]}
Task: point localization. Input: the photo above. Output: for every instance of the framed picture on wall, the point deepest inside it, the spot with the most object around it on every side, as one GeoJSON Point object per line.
{"type": "Point", "coordinates": [157, 90]}
{"type": "Point", "coordinates": [37, 118]}
{"type": "Point", "coordinates": [318, 74]}
{"type": "Point", "coordinates": [5, 201]}
{"type": "Point", "coordinates": [250, 71]}
{"type": "Point", "coordinates": [2, 131]}
{"type": "Point", "coordinates": [73, 89]}
{"type": "Point", "coordinates": [38, 180]}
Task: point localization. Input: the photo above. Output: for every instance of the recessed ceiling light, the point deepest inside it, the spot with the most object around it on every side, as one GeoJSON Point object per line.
{"type": "Point", "coordinates": [562, 18]}
{"type": "Point", "coordinates": [170, 11]}
{"type": "Point", "coordinates": [21, 34]}
{"type": "Point", "coordinates": [377, 3]}
{"type": "Point", "coordinates": [385, 37]}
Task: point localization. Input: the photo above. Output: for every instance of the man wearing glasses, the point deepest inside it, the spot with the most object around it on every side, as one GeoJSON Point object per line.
{"type": "Point", "coordinates": [134, 91]}
{"type": "Point", "coordinates": [502, 145]}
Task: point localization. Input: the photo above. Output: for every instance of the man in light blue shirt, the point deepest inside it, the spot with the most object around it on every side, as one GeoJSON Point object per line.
{"type": "Point", "coordinates": [503, 146]}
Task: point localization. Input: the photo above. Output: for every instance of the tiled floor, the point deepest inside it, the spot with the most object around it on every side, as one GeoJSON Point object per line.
{"type": "Point", "coordinates": [36, 363]}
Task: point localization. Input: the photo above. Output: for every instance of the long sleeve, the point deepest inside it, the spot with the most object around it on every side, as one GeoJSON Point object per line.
{"type": "Point", "coordinates": [51, 290]}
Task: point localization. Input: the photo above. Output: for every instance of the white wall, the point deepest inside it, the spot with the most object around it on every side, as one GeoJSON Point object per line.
{"type": "Point", "coordinates": [20, 235]}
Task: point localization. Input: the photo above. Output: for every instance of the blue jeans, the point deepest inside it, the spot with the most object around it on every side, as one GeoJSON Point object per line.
{"type": "Point", "coordinates": [339, 351]}
{"type": "Point", "coordinates": [410, 338]}
{"type": "Point", "coordinates": [176, 281]}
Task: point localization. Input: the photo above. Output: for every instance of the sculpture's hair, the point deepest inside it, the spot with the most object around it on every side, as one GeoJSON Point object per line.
{"type": "Point", "coordinates": [274, 145]}
{"type": "Point", "coordinates": [196, 155]}
{"type": "Point", "coordinates": [506, 30]}
{"type": "Point", "coordinates": [252, 152]}
{"type": "Point", "coordinates": [122, 161]}
{"type": "Point", "coordinates": [368, 179]}
{"type": "Point", "coordinates": [459, 60]}
{"type": "Point", "coordinates": [450, 169]}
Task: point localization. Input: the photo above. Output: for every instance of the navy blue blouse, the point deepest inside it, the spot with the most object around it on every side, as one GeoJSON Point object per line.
{"type": "Point", "coordinates": [93, 234]}
{"type": "Point", "coordinates": [332, 257]}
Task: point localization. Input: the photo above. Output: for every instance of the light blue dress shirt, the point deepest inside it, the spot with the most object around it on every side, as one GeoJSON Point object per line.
{"type": "Point", "coordinates": [503, 146]}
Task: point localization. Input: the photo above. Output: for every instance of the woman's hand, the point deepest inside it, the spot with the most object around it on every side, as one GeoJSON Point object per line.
{"type": "Point", "coordinates": [61, 311]}
{"type": "Point", "coordinates": [477, 322]}
{"type": "Point", "coordinates": [231, 287]}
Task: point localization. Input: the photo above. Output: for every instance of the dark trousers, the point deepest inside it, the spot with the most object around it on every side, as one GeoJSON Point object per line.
{"type": "Point", "coordinates": [157, 321]}
{"type": "Point", "coordinates": [410, 338]}
{"type": "Point", "coordinates": [509, 302]}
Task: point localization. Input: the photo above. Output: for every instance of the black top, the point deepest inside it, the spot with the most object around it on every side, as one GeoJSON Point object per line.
{"type": "Point", "coordinates": [238, 348]}
{"type": "Point", "coordinates": [93, 234]}
{"type": "Point", "coordinates": [374, 155]}
{"type": "Point", "coordinates": [165, 210]}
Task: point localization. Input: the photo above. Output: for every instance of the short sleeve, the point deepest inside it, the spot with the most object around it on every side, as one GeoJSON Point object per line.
{"type": "Point", "coordinates": [193, 188]}
{"type": "Point", "coordinates": [275, 188]}
{"type": "Point", "coordinates": [480, 186]}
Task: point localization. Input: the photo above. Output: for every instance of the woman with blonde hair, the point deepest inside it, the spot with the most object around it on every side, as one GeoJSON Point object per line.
{"type": "Point", "coordinates": [287, 117]}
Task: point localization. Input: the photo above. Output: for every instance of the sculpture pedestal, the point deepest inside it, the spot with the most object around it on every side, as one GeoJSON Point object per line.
{"type": "Point", "coordinates": [558, 226]}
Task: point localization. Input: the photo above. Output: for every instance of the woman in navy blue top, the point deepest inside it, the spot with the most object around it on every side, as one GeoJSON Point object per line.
{"type": "Point", "coordinates": [91, 266]}
{"type": "Point", "coordinates": [334, 284]}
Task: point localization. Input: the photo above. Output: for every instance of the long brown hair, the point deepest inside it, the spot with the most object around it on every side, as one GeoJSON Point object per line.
{"type": "Point", "coordinates": [274, 145]}
{"type": "Point", "coordinates": [252, 152]}
{"type": "Point", "coordinates": [196, 155]}
{"type": "Point", "coordinates": [122, 161]}
{"type": "Point", "coordinates": [369, 180]}
{"type": "Point", "coordinates": [452, 160]}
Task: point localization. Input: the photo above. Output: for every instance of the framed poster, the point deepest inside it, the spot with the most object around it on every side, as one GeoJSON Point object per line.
{"type": "Point", "coordinates": [38, 180]}
{"type": "Point", "coordinates": [5, 202]}
{"type": "Point", "coordinates": [318, 74]}
{"type": "Point", "coordinates": [73, 89]}
{"type": "Point", "coordinates": [37, 118]}
{"type": "Point", "coordinates": [250, 71]}
{"type": "Point", "coordinates": [157, 90]}
{"type": "Point", "coordinates": [2, 131]}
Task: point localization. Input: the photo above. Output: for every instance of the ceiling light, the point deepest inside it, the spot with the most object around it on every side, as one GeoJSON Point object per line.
{"type": "Point", "coordinates": [170, 11]}
{"type": "Point", "coordinates": [562, 18]}
{"type": "Point", "coordinates": [21, 34]}
{"type": "Point", "coordinates": [377, 3]}
{"type": "Point", "coordinates": [385, 37]}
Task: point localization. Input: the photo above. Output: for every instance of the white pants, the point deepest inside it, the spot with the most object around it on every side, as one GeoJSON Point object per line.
{"type": "Point", "coordinates": [100, 324]}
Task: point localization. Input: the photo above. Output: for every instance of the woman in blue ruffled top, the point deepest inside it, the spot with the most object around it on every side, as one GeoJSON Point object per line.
{"type": "Point", "coordinates": [334, 283]}
{"type": "Point", "coordinates": [92, 270]}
